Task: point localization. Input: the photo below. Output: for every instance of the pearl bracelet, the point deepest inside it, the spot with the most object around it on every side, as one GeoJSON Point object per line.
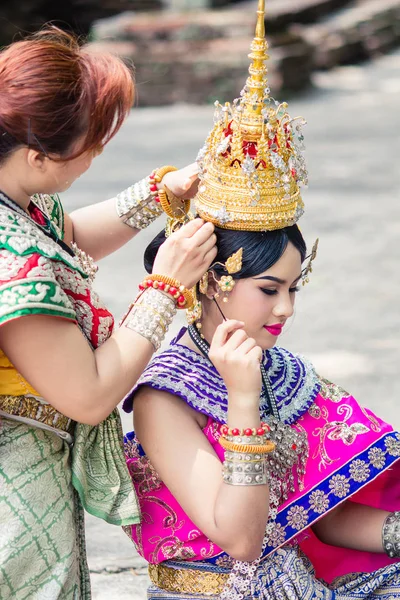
{"type": "Point", "coordinates": [139, 205]}
{"type": "Point", "coordinates": [136, 206]}
{"type": "Point", "coordinates": [151, 315]}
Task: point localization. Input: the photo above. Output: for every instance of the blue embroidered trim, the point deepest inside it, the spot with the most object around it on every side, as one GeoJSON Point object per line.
{"type": "Point", "coordinates": [332, 491]}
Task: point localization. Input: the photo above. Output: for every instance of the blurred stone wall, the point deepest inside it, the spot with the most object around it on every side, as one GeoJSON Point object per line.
{"type": "Point", "coordinates": [199, 56]}
{"type": "Point", "coordinates": [18, 17]}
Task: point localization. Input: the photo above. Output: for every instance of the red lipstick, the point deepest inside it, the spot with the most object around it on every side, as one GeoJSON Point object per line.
{"type": "Point", "coordinates": [274, 330]}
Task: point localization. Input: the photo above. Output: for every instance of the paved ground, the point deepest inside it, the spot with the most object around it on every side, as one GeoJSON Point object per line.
{"type": "Point", "coordinates": [348, 318]}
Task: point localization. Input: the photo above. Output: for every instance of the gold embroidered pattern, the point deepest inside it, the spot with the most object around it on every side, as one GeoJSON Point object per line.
{"type": "Point", "coordinates": [30, 408]}
{"type": "Point", "coordinates": [144, 475]}
{"type": "Point", "coordinates": [331, 391]}
{"type": "Point", "coordinates": [189, 581]}
{"type": "Point", "coordinates": [334, 431]}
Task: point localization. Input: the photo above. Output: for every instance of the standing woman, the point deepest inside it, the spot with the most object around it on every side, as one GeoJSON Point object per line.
{"type": "Point", "coordinates": [62, 369]}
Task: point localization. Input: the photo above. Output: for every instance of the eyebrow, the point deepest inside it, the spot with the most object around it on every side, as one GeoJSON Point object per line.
{"type": "Point", "coordinates": [277, 279]}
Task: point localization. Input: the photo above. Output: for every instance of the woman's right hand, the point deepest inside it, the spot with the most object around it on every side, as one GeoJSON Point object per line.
{"type": "Point", "coordinates": [188, 253]}
{"type": "Point", "coordinates": [237, 358]}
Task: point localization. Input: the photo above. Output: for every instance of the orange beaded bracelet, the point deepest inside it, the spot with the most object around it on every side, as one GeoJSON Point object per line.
{"type": "Point", "coordinates": [266, 448]}
{"type": "Point", "coordinates": [184, 298]}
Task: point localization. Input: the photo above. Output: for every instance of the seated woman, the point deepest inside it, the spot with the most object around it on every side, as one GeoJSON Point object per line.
{"type": "Point", "coordinates": [256, 477]}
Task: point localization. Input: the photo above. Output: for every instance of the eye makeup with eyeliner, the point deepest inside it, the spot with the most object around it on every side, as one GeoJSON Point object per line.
{"type": "Point", "coordinates": [274, 292]}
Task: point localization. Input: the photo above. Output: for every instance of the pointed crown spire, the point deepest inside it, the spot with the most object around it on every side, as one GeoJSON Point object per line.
{"type": "Point", "coordinates": [252, 163]}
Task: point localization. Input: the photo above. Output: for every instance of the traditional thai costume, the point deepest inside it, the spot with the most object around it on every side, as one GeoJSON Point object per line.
{"type": "Point", "coordinates": [50, 466]}
{"type": "Point", "coordinates": [351, 454]}
{"type": "Point", "coordinates": [328, 449]}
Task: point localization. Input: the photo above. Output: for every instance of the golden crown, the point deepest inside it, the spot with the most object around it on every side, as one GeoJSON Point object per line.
{"type": "Point", "coordinates": [252, 163]}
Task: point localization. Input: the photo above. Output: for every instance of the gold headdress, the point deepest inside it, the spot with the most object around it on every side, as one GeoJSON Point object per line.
{"type": "Point", "coordinates": [252, 164]}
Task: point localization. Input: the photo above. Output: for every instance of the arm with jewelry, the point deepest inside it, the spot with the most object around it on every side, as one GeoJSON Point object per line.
{"type": "Point", "coordinates": [341, 527]}
{"type": "Point", "coordinates": [82, 381]}
{"type": "Point", "coordinates": [103, 228]}
{"type": "Point", "coordinates": [231, 511]}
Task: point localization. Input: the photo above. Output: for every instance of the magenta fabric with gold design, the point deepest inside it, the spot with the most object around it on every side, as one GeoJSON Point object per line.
{"type": "Point", "coordinates": [352, 455]}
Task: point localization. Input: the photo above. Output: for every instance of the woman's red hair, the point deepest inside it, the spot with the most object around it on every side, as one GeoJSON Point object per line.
{"type": "Point", "coordinates": [53, 92]}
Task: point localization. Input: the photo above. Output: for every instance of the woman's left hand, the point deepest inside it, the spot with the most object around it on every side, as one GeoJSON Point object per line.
{"type": "Point", "coordinates": [184, 182]}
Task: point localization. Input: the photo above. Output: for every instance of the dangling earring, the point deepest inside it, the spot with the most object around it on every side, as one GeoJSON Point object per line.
{"type": "Point", "coordinates": [194, 314]}
{"type": "Point", "coordinates": [308, 269]}
{"type": "Point", "coordinates": [226, 285]}
{"type": "Point", "coordinates": [232, 265]}
{"type": "Point", "coordinates": [203, 284]}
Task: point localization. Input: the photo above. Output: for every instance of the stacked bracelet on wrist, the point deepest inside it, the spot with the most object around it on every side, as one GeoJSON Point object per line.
{"type": "Point", "coordinates": [245, 455]}
{"type": "Point", "coordinates": [391, 535]}
{"type": "Point", "coordinates": [183, 297]}
{"type": "Point", "coordinates": [150, 315]}
{"type": "Point", "coordinates": [139, 205]}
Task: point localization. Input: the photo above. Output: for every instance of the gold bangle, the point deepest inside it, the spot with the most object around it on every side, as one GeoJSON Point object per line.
{"type": "Point", "coordinates": [266, 448]}
{"type": "Point", "coordinates": [158, 174]}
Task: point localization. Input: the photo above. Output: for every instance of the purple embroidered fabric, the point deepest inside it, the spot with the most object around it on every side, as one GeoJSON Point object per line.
{"type": "Point", "coordinates": [193, 378]}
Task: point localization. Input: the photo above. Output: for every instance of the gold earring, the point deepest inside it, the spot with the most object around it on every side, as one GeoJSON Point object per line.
{"type": "Point", "coordinates": [194, 314]}
{"type": "Point", "coordinates": [308, 269]}
{"type": "Point", "coordinates": [226, 285]}
{"type": "Point", "coordinates": [203, 283]}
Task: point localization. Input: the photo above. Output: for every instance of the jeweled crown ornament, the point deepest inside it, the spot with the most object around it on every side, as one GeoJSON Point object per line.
{"type": "Point", "coordinates": [252, 163]}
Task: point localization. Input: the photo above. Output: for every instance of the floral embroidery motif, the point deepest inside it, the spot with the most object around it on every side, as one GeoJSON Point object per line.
{"type": "Point", "coordinates": [339, 486]}
{"type": "Point", "coordinates": [297, 517]}
{"type": "Point", "coordinates": [277, 536]}
{"type": "Point", "coordinates": [393, 445]}
{"type": "Point", "coordinates": [359, 470]}
{"type": "Point", "coordinates": [142, 471]}
{"type": "Point", "coordinates": [347, 433]}
{"type": "Point", "coordinates": [177, 550]}
{"type": "Point", "coordinates": [319, 501]}
{"type": "Point", "coordinates": [376, 456]}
